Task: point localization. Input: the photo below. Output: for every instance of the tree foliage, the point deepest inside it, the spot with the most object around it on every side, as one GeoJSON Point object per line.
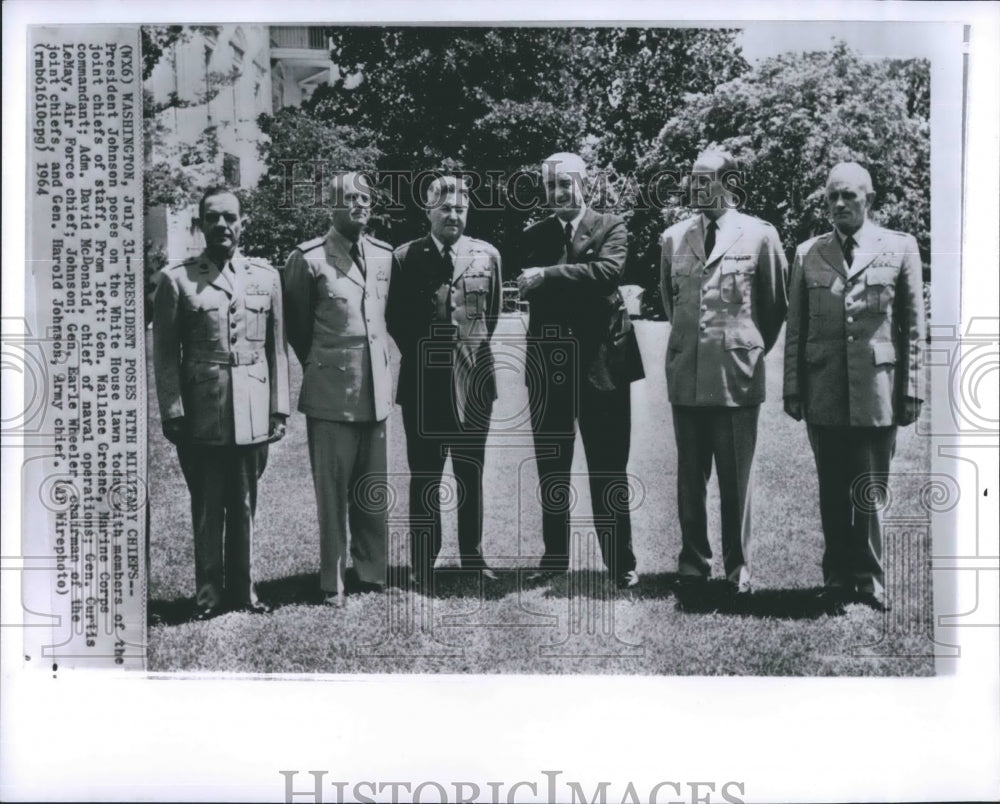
{"type": "Point", "coordinates": [281, 215]}
{"type": "Point", "coordinates": [793, 117]}
{"type": "Point", "coordinates": [499, 100]}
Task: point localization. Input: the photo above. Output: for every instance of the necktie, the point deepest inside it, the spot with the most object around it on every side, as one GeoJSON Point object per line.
{"type": "Point", "coordinates": [358, 259]}
{"type": "Point", "coordinates": [449, 263]}
{"type": "Point", "coordinates": [568, 236]}
{"type": "Point", "coordinates": [849, 245]}
{"type": "Point", "coordinates": [710, 238]}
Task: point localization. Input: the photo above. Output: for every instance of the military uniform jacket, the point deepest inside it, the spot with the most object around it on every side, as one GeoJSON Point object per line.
{"type": "Point", "coordinates": [219, 349]}
{"type": "Point", "coordinates": [852, 349]}
{"type": "Point", "coordinates": [461, 310]}
{"type": "Point", "coordinates": [725, 309]}
{"type": "Point", "coordinates": [580, 299]}
{"type": "Point", "coordinates": [336, 326]}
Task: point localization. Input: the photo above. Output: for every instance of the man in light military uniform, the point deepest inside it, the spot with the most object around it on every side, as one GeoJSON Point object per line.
{"type": "Point", "coordinates": [222, 383]}
{"type": "Point", "coordinates": [443, 309]}
{"type": "Point", "coordinates": [335, 295]}
{"type": "Point", "coordinates": [852, 369]}
{"type": "Point", "coordinates": [723, 278]}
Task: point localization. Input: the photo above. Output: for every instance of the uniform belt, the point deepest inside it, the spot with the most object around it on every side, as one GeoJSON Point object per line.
{"type": "Point", "coordinates": [339, 341]}
{"type": "Point", "coordinates": [226, 358]}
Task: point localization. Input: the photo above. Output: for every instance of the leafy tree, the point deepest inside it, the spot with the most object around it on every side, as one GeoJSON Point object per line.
{"type": "Point", "coordinates": [498, 100]}
{"type": "Point", "coordinates": [794, 116]}
{"type": "Point", "coordinates": [300, 151]}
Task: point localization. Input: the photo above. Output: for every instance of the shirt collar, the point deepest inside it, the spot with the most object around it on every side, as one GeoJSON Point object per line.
{"type": "Point", "coordinates": [575, 223]}
{"type": "Point", "coordinates": [440, 245]}
{"type": "Point", "coordinates": [858, 235]}
{"type": "Point", "coordinates": [720, 222]}
{"type": "Point", "coordinates": [342, 241]}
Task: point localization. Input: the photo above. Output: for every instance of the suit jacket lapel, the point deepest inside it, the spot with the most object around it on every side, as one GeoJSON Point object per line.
{"type": "Point", "coordinates": [584, 232]}
{"type": "Point", "coordinates": [341, 260]}
{"type": "Point", "coordinates": [829, 249]}
{"type": "Point", "coordinates": [869, 245]}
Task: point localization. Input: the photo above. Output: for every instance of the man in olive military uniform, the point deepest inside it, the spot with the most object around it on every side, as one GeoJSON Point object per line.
{"type": "Point", "coordinates": [222, 383]}
{"type": "Point", "coordinates": [335, 295]}
{"type": "Point", "coordinates": [723, 276]}
{"type": "Point", "coordinates": [444, 304]}
{"type": "Point", "coordinates": [852, 370]}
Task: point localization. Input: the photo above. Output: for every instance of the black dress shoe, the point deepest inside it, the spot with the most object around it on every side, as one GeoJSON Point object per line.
{"type": "Point", "coordinates": [489, 575]}
{"type": "Point", "coordinates": [370, 586]}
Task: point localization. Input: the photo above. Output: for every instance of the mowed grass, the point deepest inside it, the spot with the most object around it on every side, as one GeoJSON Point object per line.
{"type": "Point", "coordinates": [578, 624]}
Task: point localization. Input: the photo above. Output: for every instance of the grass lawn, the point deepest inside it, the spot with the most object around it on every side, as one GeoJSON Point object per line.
{"type": "Point", "coordinates": [578, 624]}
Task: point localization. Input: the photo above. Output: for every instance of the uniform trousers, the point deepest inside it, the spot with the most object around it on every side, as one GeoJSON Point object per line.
{"type": "Point", "coordinates": [222, 481]}
{"type": "Point", "coordinates": [349, 471]}
{"type": "Point", "coordinates": [729, 436]}
{"type": "Point", "coordinates": [432, 433]}
{"type": "Point", "coordinates": [852, 464]}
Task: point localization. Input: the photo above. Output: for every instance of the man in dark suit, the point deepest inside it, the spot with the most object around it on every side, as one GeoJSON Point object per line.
{"type": "Point", "coordinates": [222, 383]}
{"type": "Point", "coordinates": [723, 278]}
{"type": "Point", "coordinates": [852, 370]}
{"type": "Point", "coordinates": [582, 356]}
{"type": "Point", "coordinates": [335, 296]}
{"type": "Point", "coordinates": [444, 303]}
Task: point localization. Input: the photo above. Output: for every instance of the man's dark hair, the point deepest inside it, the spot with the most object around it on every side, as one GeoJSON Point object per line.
{"type": "Point", "coordinates": [216, 189]}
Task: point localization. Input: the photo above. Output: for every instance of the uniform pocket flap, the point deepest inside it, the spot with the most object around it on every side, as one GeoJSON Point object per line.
{"type": "Point", "coordinates": [260, 304]}
{"type": "Point", "coordinates": [820, 281]}
{"type": "Point", "coordinates": [880, 275]}
{"type": "Point", "coordinates": [884, 353]}
{"type": "Point", "coordinates": [743, 339]}
{"type": "Point", "coordinates": [676, 341]}
{"type": "Point", "coordinates": [258, 372]}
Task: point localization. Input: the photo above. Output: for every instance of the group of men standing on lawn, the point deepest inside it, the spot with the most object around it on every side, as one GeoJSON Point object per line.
{"type": "Point", "coordinates": [854, 308]}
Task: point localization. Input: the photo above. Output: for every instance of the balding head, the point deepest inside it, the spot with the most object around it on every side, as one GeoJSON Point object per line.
{"type": "Point", "coordinates": [714, 177]}
{"type": "Point", "coordinates": [852, 173]}
{"type": "Point", "coordinates": [565, 176]}
{"type": "Point", "coordinates": [849, 195]}
{"type": "Point", "coordinates": [352, 200]}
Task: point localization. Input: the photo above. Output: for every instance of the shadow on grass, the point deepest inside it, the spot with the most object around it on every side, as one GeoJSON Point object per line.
{"type": "Point", "coordinates": [716, 596]}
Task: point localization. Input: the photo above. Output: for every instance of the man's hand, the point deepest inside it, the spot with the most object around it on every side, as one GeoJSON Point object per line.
{"type": "Point", "coordinates": [910, 411]}
{"type": "Point", "coordinates": [277, 428]}
{"type": "Point", "coordinates": [528, 280]}
{"type": "Point", "coordinates": [793, 407]}
{"type": "Point", "coordinates": [175, 430]}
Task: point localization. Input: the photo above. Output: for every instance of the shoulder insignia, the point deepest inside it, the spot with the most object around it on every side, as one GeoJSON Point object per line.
{"type": "Point", "coordinates": [378, 243]}
{"type": "Point", "coordinates": [309, 245]}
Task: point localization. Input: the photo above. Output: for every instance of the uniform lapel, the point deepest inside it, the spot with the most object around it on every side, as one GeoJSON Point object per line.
{"type": "Point", "coordinates": [694, 240]}
{"type": "Point", "coordinates": [462, 259]}
{"type": "Point", "coordinates": [241, 273]}
{"type": "Point", "coordinates": [340, 259]}
{"type": "Point", "coordinates": [829, 249]}
{"type": "Point", "coordinates": [727, 236]}
{"type": "Point", "coordinates": [869, 245]}
{"type": "Point", "coordinates": [216, 278]}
